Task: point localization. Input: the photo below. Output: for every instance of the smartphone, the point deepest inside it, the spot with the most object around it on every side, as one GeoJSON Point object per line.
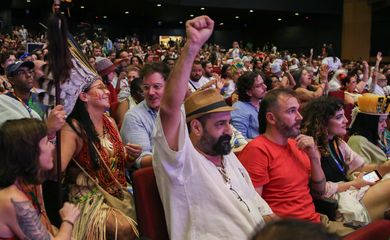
{"type": "Point", "coordinates": [355, 224]}
{"type": "Point", "coordinates": [373, 176]}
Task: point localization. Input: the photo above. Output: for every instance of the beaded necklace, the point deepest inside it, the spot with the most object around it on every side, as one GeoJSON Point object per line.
{"type": "Point", "coordinates": [228, 182]}
{"type": "Point", "coordinates": [114, 159]}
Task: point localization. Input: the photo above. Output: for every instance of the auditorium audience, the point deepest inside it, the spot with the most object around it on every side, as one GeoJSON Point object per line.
{"type": "Point", "coordinates": [283, 165]}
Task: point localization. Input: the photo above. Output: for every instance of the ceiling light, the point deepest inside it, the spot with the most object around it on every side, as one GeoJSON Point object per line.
{"type": "Point", "coordinates": [221, 24]}
{"type": "Point", "coordinates": [307, 17]}
{"type": "Point", "coordinates": [202, 8]}
{"type": "Point", "coordinates": [192, 15]}
{"type": "Point", "coordinates": [158, 4]}
{"type": "Point", "coordinates": [104, 16]}
{"type": "Point", "coordinates": [82, 7]}
{"type": "Point", "coordinates": [127, 12]}
{"type": "Point", "coordinates": [251, 11]}
{"type": "Point", "coordinates": [296, 14]}
{"type": "Point", "coordinates": [181, 22]}
{"type": "Point", "coordinates": [28, 1]}
{"type": "Point", "coordinates": [279, 19]}
{"type": "Point", "coordinates": [237, 17]}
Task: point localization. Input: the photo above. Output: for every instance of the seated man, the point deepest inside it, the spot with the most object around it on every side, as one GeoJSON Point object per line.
{"type": "Point", "coordinates": [283, 163]}
{"type": "Point", "coordinates": [251, 89]}
{"type": "Point", "coordinates": [197, 80]}
{"type": "Point", "coordinates": [205, 191]}
{"type": "Point", "coordinates": [139, 122]}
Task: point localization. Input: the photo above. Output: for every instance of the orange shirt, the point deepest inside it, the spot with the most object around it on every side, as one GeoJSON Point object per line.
{"type": "Point", "coordinates": [284, 173]}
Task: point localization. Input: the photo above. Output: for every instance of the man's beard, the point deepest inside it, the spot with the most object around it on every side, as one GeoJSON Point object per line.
{"type": "Point", "coordinates": [196, 78]}
{"type": "Point", "coordinates": [288, 131]}
{"type": "Point", "coordinates": [208, 145]}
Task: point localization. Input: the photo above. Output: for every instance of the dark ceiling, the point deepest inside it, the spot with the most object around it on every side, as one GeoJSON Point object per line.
{"type": "Point", "coordinates": [172, 13]}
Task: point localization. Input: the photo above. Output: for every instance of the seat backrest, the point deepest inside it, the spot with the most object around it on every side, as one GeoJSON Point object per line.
{"type": "Point", "coordinates": [378, 230]}
{"type": "Point", "coordinates": [150, 212]}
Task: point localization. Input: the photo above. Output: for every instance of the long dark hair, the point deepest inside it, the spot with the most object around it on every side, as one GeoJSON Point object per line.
{"type": "Point", "coordinates": [59, 55]}
{"type": "Point", "coordinates": [316, 115]}
{"type": "Point", "coordinates": [366, 125]}
{"type": "Point", "coordinates": [86, 128]}
{"type": "Point", "coordinates": [19, 147]}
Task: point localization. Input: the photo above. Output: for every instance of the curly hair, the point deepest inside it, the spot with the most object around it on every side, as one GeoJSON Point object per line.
{"type": "Point", "coordinates": [244, 84]}
{"type": "Point", "coordinates": [316, 115]}
{"type": "Point", "coordinates": [19, 147]}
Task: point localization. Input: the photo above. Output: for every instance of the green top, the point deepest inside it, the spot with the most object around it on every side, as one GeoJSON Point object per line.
{"type": "Point", "coordinates": [370, 152]}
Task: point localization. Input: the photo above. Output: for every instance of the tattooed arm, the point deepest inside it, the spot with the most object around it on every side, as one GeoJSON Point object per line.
{"type": "Point", "coordinates": [29, 221]}
{"type": "Point", "coordinates": [26, 223]}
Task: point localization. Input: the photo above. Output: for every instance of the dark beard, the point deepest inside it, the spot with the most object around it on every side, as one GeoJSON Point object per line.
{"type": "Point", "coordinates": [196, 78]}
{"type": "Point", "coordinates": [287, 131]}
{"type": "Point", "coordinates": [222, 146]}
{"type": "Point", "coordinates": [208, 145]}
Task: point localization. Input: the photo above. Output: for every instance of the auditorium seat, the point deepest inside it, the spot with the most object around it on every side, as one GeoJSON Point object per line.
{"type": "Point", "coordinates": [377, 230]}
{"type": "Point", "coordinates": [150, 212]}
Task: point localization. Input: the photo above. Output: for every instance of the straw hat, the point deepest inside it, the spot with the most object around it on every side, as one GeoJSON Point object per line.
{"type": "Point", "coordinates": [205, 102]}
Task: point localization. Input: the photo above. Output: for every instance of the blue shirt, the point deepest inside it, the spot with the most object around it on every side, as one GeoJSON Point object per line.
{"type": "Point", "coordinates": [245, 119]}
{"type": "Point", "coordinates": [138, 126]}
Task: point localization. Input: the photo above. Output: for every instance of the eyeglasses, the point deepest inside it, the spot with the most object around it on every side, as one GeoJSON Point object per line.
{"type": "Point", "coordinates": [24, 72]}
{"type": "Point", "coordinates": [156, 86]}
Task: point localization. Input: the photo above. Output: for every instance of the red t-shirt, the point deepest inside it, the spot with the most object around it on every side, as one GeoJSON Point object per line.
{"type": "Point", "coordinates": [284, 173]}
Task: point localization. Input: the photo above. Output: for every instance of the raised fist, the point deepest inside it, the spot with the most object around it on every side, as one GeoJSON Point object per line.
{"type": "Point", "coordinates": [199, 30]}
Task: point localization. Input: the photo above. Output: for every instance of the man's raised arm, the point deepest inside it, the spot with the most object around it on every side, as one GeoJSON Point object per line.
{"type": "Point", "coordinates": [198, 30]}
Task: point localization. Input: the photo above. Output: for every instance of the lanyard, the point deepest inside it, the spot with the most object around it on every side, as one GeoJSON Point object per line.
{"type": "Point", "coordinates": [336, 155]}
{"type": "Point", "coordinates": [28, 108]}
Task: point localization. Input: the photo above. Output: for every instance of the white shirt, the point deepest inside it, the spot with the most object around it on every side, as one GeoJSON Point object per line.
{"type": "Point", "coordinates": [198, 203]}
{"type": "Point", "coordinates": [333, 65]}
{"type": "Point", "coordinates": [193, 86]}
{"type": "Point", "coordinates": [334, 85]}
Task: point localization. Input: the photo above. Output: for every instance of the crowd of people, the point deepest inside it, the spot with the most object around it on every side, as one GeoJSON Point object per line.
{"type": "Point", "coordinates": [238, 139]}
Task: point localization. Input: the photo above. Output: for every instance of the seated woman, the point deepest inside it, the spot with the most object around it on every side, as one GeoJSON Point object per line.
{"type": "Point", "coordinates": [304, 88]}
{"type": "Point", "coordinates": [349, 84]}
{"type": "Point", "coordinates": [26, 156]}
{"type": "Point", "coordinates": [368, 124]}
{"type": "Point", "coordinates": [97, 172]}
{"type": "Point", "coordinates": [358, 199]}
